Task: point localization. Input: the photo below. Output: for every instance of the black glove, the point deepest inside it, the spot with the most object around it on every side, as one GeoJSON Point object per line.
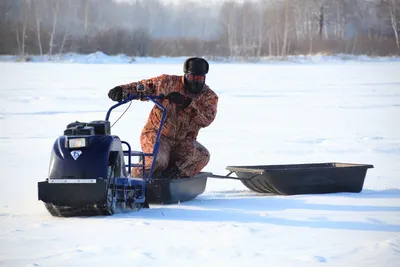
{"type": "Point", "coordinates": [116, 94]}
{"type": "Point", "coordinates": [179, 99]}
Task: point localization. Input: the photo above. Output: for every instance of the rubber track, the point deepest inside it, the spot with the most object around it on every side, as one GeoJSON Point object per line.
{"type": "Point", "coordinates": [62, 211]}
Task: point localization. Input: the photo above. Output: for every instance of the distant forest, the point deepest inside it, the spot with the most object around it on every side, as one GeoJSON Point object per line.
{"type": "Point", "coordinates": [232, 29]}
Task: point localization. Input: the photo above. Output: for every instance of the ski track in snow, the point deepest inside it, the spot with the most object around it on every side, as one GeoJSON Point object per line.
{"type": "Point", "coordinates": [268, 114]}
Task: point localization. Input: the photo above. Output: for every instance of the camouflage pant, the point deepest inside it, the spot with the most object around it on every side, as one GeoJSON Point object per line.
{"type": "Point", "coordinates": [189, 156]}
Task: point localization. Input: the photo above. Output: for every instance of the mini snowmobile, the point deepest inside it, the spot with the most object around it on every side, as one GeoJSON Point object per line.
{"type": "Point", "coordinates": [90, 173]}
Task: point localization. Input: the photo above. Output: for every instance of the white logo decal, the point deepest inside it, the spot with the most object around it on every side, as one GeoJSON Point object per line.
{"type": "Point", "coordinates": [75, 154]}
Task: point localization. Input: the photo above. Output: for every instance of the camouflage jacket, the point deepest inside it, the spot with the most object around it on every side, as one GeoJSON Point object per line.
{"type": "Point", "coordinates": [180, 124]}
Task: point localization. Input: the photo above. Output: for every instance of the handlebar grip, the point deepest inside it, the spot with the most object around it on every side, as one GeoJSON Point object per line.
{"type": "Point", "coordinates": [140, 88]}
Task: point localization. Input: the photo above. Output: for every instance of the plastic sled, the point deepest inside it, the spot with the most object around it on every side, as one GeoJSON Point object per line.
{"type": "Point", "coordinates": [168, 191]}
{"type": "Point", "coordinates": [293, 179]}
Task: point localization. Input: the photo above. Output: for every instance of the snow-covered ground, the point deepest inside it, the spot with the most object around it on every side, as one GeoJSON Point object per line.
{"type": "Point", "coordinates": [346, 111]}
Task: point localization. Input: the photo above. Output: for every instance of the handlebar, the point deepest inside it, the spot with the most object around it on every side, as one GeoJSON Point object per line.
{"type": "Point", "coordinates": [138, 96]}
{"type": "Point", "coordinates": [153, 99]}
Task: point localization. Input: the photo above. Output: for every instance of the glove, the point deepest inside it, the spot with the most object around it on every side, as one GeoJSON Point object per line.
{"type": "Point", "coordinates": [116, 94]}
{"type": "Point", "coordinates": [178, 99]}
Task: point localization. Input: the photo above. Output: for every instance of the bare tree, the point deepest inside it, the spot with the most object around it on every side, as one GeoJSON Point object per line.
{"type": "Point", "coordinates": [5, 24]}
{"type": "Point", "coordinates": [86, 3]}
{"type": "Point", "coordinates": [228, 19]}
{"type": "Point", "coordinates": [21, 30]}
{"type": "Point", "coordinates": [321, 21]}
{"type": "Point", "coordinates": [262, 27]}
{"type": "Point", "coordinates": [38, 18]}
{"type": "Point", "coordinates": [285, 28]}
{"type": "Point", "coordinates": [65, 37]}
{"type": "Point", "coordinates": [53, 32]}
{"type": "Point", "coordinates": [393, 7]}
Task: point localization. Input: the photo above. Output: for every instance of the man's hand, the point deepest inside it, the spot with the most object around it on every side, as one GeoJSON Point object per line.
{"type": "Point", "coordinates": [179, 99]}
{"type": "Point", "coordinates": [176, 98]}
{"type": "Point", "coordinates": [116, 94]}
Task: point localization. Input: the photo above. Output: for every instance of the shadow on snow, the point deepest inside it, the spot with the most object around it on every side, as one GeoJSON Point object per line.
{"type": "Point", "coordinates": [244, 208]}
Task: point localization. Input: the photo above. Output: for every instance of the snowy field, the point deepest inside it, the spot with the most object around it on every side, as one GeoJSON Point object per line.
{"type": "Point", "coordinates": [268, 114]}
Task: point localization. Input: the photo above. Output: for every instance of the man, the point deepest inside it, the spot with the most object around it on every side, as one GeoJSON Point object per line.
{"type": "Point", "coordinates": [190, 105]}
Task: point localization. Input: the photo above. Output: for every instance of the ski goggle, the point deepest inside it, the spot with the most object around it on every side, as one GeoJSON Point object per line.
{"type": "Point", "coordinates": [195, 78]}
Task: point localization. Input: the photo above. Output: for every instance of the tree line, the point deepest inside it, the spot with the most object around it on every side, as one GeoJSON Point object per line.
{"type": "Point", "coordinates": [246, 29]}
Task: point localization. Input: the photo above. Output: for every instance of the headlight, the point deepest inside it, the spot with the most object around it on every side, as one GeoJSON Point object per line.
{"type": "Point", "coordinates": [77, 142]}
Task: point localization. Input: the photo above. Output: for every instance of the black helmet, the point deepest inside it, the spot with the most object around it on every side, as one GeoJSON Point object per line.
{"type": "Point", "coordinates": [196, 66]}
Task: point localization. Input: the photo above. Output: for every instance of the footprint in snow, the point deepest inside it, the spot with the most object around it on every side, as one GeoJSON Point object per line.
{"type": "Point", "coordinates": [140, 254]}
{"type": "Point", "coordinates": [320, 259]}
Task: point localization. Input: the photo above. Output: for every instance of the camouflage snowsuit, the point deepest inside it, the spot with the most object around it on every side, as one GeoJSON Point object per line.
{"type": "Point", "coordinates": [178, 143]}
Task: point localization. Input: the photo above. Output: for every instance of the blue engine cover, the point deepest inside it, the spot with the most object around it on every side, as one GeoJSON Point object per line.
{"type": "Point", "coordinates": [90, 162]}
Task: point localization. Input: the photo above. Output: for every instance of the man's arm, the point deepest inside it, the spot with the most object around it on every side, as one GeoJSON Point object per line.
{"type": "Point", "coordinates": [203, 109]}
{"type": "Point", "coordinates": [151, 85]}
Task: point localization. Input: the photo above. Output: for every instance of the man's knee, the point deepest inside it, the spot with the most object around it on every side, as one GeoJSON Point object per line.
{"type": "Point", "coordinates": [203, 153]}
{"type": "Point", "coordinates": [193, 163]}
{"type": "Point", "coordinates": [203, 160]}
{"type": "Point", "coordinates": [162, 161]}
{"type": "Point", "coordinates": [148, 140]}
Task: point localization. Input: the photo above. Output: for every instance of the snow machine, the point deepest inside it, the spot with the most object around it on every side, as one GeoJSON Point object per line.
{"type": "Point", "coordinates": [90, 173]}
